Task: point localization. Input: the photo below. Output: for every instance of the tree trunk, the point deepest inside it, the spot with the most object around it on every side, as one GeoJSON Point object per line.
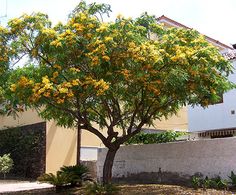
{"type": "Point", "coordinates": [108, 164]}
{"type": "Point", "coordinates": [78, 145]}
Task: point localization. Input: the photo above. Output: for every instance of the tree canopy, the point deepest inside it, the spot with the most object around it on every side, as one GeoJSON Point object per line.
{"type": "Point", "coordinates": [120, 75]}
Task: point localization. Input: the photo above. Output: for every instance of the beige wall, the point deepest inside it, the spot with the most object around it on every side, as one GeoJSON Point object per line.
{"type": "Point", "coordinates": [60, 147]}
{"type": "Point", "coordinates": [175, 122]}
{"type": "Point", "coordinates": [26, 118]}
{"type": "Point", "coordinates": [89, 139]}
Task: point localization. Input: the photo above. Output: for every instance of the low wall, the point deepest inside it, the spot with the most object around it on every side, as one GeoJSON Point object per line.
{"type": "Point", "coordinates": [88, 153]}
{"type": "Point", "coordinates": [92, 168]}
{"type": "Point", "coordinates": [172, 162]}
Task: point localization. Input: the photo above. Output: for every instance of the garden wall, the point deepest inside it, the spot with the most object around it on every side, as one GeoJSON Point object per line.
{"type": "Point", "coordinates": [172, 162]}
{"type": "Point", "coordinates": [27, 146]}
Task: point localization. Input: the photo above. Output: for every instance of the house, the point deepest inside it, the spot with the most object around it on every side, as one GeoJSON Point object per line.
{"type": "Point", "coordinates": [217, 120]}
{"type": "Point", "coordinates": [61, 143]}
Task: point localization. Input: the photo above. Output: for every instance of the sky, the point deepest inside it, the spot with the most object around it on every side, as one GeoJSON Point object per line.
{"type": "Point", "coordinates": [214, 18]}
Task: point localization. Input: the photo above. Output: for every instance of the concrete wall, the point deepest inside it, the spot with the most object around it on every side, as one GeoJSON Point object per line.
{"type": "Point", "coordinates": [216, 116]}
{"type": "Point", "coordinates": [172, 162]}
{"type": "Point", "coordinates": [88, 153]}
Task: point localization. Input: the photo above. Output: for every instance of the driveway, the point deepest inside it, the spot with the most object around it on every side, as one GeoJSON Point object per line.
{"type": "Point", "coordinates": [14, 186]}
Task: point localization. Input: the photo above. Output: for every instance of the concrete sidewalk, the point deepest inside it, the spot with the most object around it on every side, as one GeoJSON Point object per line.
{"type": "Point", "coordinates": [22, 186]}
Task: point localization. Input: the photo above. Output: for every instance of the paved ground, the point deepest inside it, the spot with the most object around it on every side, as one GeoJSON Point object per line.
{"type": "Point", "coordinates": [22, 186]}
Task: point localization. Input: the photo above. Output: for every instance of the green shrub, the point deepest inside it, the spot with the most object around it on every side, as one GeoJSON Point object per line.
{"type": "Point", "coordinates": [59, 180]}
{"type": "Point", "coordinates": [196, 182]}
{"type": "Point", "coordinates": [206, 183]}
{"type": "Point", "coordinates": [232, 178]}
{"type": "Point", "coordinates": [78, 174]}
{"type": "Point", "coordinates": [67, 176]}
{"type": "Point", "coordinates": [99, 189]}
{"type": "Point", "coordinates": [218, 183]}
{"type": "Point", "coordinates": [6, 164]}
{"type": "Point", "coordinates": [152, 138]}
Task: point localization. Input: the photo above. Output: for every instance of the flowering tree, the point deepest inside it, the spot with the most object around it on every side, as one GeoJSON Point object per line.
{"type": "Point", "coordinates": [114, 74]}
{"type": "Point", "coordinates": [5, 54]}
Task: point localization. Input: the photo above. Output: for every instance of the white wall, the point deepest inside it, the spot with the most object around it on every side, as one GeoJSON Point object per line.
{"type": "Point", "coordinates": [88, 153]}
{"type": "Point", "coordinates": [210, 157]}
{"type": "Point", "coordinates": [215, 116]}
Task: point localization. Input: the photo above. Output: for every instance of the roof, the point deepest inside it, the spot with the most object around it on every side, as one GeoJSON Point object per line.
{"type": "Point", "coordinates": [217, 132]}
{"type": "Point", "coordinates": [230, 55]}
{"type": "Point", "coordinates": [166, 20]}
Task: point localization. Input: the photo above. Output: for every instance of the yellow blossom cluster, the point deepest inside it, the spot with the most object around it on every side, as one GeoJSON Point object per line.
{"type": "Point", "coordinates": [49, 32]}
{"type": "Point", "coordinates": [24, 81]}
{"type": "Point", "coordinates": [73, 69]}
{"type": "Point", "coordinates": [126, 73]}
{"type": "Point", "coordinates": [3, 58]}
{"type": "Point", "coordinates": [59, 92]}
{"type": "Point", "coordinates": [100, 86]}
{"type": "Point", "coordinates": [102, 28]}
{"type": "Point", "coordinates": [56, 43]}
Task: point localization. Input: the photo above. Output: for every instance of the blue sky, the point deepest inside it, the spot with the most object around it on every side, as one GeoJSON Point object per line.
{"type": "Point", "coordinates": [215, 18]}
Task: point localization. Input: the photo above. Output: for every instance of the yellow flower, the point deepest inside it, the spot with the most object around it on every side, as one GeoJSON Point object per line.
{"type": "Point", "coordinates": [67, 84]}
{"type": "Point", "coordinates": [47, 94]}
{"type": "Point", "coordinates": [63, 90]}
{"type": "Point", "coordinates": [89, 35]}
{"type": "Point", "coordinates": [30, 82]}
{"type": "Point", "coordinates": [91, 25]}
{"type": "Point", "coordinates": [60, 101]}
{"type": "Point", "coordinates": [132, 45]}
{"type": "Point", "coordinates": [83, 16]}
{"type": "Point", "coordinates": [107, 39]}
{"type": "Point", "coordinates": [106, 58]}
{"type": "Point", "coordinates": [13, 87]}
{"type": "Point", "coordinates": [56, 43]}
{"type": "Point", "coordinates": [75, 82]}
{"type": "Point", "coordinates": [57, 66]}
{"type": "Point", "coordinates": [75, 69]}
{"type": "Point", "coordinates": [23, 81]}
{"type": "Point", "coordinates": [102, 28]}
{"type": "Point", "coordinates": [95, 60]}
{"type": "Point", "coordinates": [55, 74]}
{"type": "Point", "coordinates": [49, 32]}
{"type": "Point", "coordinates": [36, 87]}
{"type": "Point", "coordinates": [41, 91]}
{"type": "Point", "coordinates": [45, 80]}
{"type": "Point", "coordinates": [70, 94]}
{"type": "Point", "coordinates": [48, 86]}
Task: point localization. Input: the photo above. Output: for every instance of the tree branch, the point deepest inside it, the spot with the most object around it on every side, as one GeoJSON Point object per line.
{"type": "Point", "coordinates": [96, 132]}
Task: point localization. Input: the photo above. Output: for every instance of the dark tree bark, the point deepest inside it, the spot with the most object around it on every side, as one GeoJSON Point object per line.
{"type": "Point", "coordinates": [78, 145]}
{"type": "Point", "coordinates": [108, 164]}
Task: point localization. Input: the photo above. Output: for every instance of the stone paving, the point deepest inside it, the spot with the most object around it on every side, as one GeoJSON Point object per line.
{"type": "Point", "coordinates": [22, 186]}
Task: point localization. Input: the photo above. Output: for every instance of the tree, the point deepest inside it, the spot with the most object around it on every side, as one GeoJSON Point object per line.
{"type": "Point", "coordinates": [6, 164]}
{"type": "Point", "coordinates": [113, 74]}
{"type": "Point", "coordinates": [4, 64]}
